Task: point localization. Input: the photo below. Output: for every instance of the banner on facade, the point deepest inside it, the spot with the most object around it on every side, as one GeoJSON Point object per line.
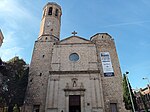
{"type": "Point", "coordinates": [106, 64]}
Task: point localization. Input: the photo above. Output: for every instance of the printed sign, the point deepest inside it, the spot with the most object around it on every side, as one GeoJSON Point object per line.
{"type": "Point", "coordinates": [106, 64]}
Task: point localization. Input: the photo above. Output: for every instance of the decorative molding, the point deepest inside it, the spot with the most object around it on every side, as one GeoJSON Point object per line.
{"type": "Point", "coordinates": [54, 78]}
{"type": "Point", "coordinates": [74, 90]}
{"type": "Point", "coordinates": [74, 72]}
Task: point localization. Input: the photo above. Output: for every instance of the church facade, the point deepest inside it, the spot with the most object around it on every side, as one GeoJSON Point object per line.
{"type": "Point", "coordinates": [74, 74]}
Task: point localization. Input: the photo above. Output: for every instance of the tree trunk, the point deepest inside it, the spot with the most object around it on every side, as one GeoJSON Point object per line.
{"type": "Point", "coordinates": [10, 108]}
{"type": "Point", "coordinates": [18, 108]}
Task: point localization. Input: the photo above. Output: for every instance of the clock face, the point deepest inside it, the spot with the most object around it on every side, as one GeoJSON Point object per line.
{"type": "Point", "coordinates": [48, 23]}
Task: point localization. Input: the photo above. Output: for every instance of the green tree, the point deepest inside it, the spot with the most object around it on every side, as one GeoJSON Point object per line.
{"type": "Point", "coordinates": [15, 109]}
{"type": "Point", "coordinates": [15, 82]}
{"type": "Point", "coordinates": [144, 102]}
{"type": "Point", "coordinates": [126, 95]}
{"type": "Point", "coordinates": [2, 81]}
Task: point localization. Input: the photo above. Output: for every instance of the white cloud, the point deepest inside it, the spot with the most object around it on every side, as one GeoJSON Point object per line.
{"type": "Point", "coordinates": [13, 16]}
{"type": "Point", "coordinates": [127, 23]}
{"type": "Point", "coordinates": [9, 39]}
{"type": "Point", "coordinates": [9, 47]}
{"type": "Point", "coordinates": [7, 54]}
{"type": "Point", "coordinates": [12, 8]}
{"type": "Point", "coordinates": [144, 44]}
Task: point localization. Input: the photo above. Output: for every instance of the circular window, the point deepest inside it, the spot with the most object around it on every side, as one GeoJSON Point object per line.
{"type": "Point", "coordinates": [74, 57]}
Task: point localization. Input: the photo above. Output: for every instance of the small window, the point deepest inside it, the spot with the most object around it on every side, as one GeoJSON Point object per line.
{"type": "Point", "coordinates": [74, 57]}
{"type": "Point", "coordinates": [56, 12]}
{"type": "Point", "coordinates": [31, 80]}
{"type": "Point", "coordinates": [36, 108]}
{"type": "Point", "coordinates": [40, 74]}
{"type": "Point", "coordinates": [113, 107]}
{"type": "Point", "coordinates": [50, 11]}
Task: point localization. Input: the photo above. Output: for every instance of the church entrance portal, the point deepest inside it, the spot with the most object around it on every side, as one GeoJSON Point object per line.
{"type": "Point", "coordinates": [74, 103]}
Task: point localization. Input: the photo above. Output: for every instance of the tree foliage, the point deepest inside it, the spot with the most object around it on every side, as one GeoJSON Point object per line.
{"type": "Point", "coordinates": [126, 95]}
{"type": "Point", "coordinates": [14, 83]}
{"type": "Point", "coordinates": [15, 109]}
{"type": "Point", "coordinates": [144, 102]}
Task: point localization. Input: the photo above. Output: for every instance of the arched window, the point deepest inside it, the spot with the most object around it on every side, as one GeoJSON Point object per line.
{"type": "Point", "coordinates": [50, 11]}
{"type": "Point", "coordinates": [56, 12]}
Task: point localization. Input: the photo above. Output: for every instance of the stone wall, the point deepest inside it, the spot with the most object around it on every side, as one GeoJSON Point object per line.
{"type": "Point", "coordinates": [38, 76]}
{"type": "Point", "coordinates": [52, 75]}
{"type": "Point", "coordinates": [112, 86]}
{"type": "Point", "coordinates": [85, 73]}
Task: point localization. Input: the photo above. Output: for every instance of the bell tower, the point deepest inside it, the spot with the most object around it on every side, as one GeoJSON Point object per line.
{"type": "Point", "coordinates": [51, 22]}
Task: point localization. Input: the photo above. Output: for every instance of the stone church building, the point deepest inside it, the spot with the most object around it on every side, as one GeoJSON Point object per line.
{"type": "Point", "coordinates": [74, 74]}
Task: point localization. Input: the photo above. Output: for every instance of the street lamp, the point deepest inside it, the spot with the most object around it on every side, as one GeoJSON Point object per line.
{"type": "Point", "coordinates": [126, 76]}
{"type": "Point", "coordinates": [146, 78]}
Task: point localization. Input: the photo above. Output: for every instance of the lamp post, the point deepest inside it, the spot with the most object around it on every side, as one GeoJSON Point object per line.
{"type": "Point", "coordinates": [146, 78]}
{"type": "Point", "coordinates": [126, 75]}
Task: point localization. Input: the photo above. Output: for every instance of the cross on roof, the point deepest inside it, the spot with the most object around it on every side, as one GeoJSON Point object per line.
{"type": "Point", "coordinates": [74, 33]}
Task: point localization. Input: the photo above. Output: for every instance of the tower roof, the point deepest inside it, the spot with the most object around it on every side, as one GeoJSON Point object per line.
{"type": "Point", "coordinates": [52, 3]}
{"type": "Point", "coordinates": [100, 34]}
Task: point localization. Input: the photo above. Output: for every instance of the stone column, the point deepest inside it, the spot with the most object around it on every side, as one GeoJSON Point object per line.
{"type": "Point", "coordinates": [82, 103]}
{"type": "Point", "coordinates": [67, 103]}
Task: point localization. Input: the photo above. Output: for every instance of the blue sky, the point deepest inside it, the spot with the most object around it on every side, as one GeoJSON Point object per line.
{"type": "Point", "coordinates": [127, 21]}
